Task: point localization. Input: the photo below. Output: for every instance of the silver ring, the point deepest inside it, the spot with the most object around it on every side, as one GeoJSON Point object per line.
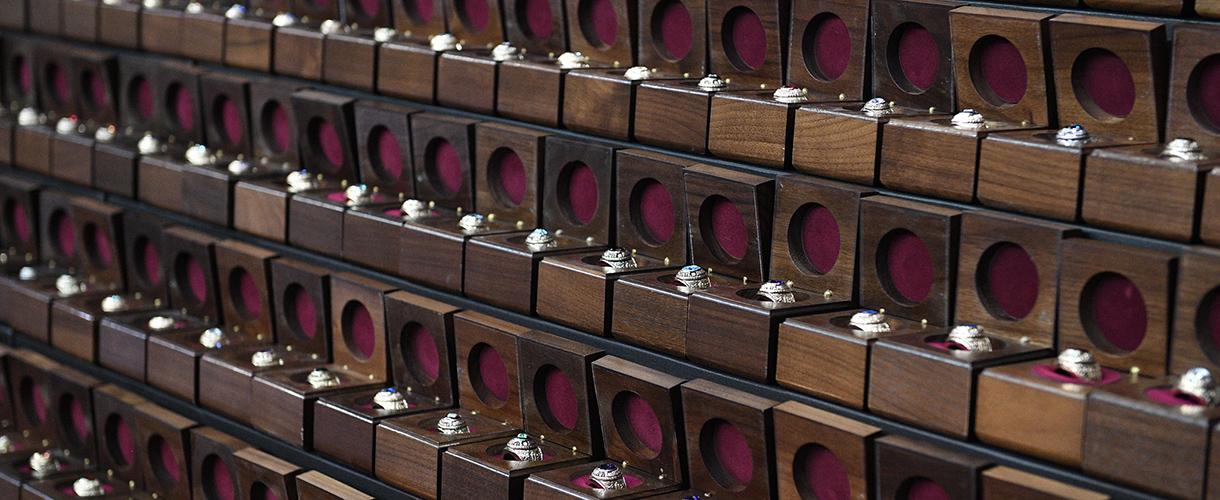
{"type": "Point", "coordinates": [28, 117]}
{"type": "Point", "coordinates": [540, 239]}
{"type": "Point", "coordinates": [390, 399]}
{"type": "Point", "coordinates": [968, 118]}
{"type": "Point", "coordinates": [300, 181]}
{"type": "Point", "coordinates": [6, 444]}
{"type": "Point", "coordinates": [88, 487]}
{"type": "Point", "coordinates": [1184, 149]}
{"type": "Point", "coordinates": [212, 338]}
{"type": "Point", "coordinates": [66, 125]}
{"type": "Point", "coordinates": [444, 42]}
{"type": "Point", "coordinates": [789, 94]}
{"type": "Point", "coordinates": [523, 448]}
{"type": "Point", "coordinates": [358, 194]}
{"type": "Point", "coordinates": [969, 338]}
{"type": "Point", "coordinates": [1198, 382]}
{"type": "Point", "coordinates": [877, 107]}
{"type": "Point", "coordinates": [609, 477]}
{"type": "Point", "coordinates": [263, 359]}
{"type": "Point", "coordinates": [1080, 363]}
{"type": "Point", "coordinates": [636, 73]}
{"type": "Point", "coordinates": [776, 291]}
{"type": "Point", "coordinates": [506, 51]}
{"type": "Point", "coordinates": [68, 285]}
{"type": "Point", "coordinates": [452, 423]}
{"type": "Point", "coordinates": [237, 11]}
{"type": "Point", "coordinates": [870, 321]}
{"type": "Point", "coordinates": [321, 377]}
{"type": "Point", "coordinates": [114, 303]}
{"type": "Point", "coordinates": [618, 258]}
{"type": "Point", "coordinates": [43, 463]}
{"type": "Point", "coordinates": [1073, 135]}
{"type": "Point", "coordinates": [200, 155]}
{"type": "Point", "coordinates": [712, 83]}
{"type": "Point", "coordinates": [572, 60]}
{"type": "Point", "coordinates": [473, 223]}
{"type": "Point", "coordinates": [694, 277]}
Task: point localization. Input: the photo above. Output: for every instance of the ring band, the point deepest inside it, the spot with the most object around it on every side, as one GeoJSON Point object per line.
{"type": "Point", "coordinates": [969, 338]}
{"type": "Point", "coordinates": [1080, 363]}
{"type": "Point", "coordinates": [523, 448]}
{"type": "Point", "coordinates": [776, 291]}
{"type": "Point", "coordinates": [609, 477]}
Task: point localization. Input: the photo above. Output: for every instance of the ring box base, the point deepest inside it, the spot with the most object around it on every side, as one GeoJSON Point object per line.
{"type": "Point", "coordinates": [1136, 190]}
{"type": "Point", "coordinates": [839, 141]}
{"type": "Point", "coordinates": [72, 157]}
{"type": "Point", "coordinates": [122, 340]}
{"type": "Point", "coordinates": [315, 220]}
{"type": "Point", "coordinates": [502, 270]}
{"type": "Point", "coordinates": [225, 376]}
{"type": "Point", "coordinates": [433, 250]}
{"type": "Point", "coordinates": [651, 310]}
{"type": "Point", "coordinates": [345, 425]}
{"type": "Point", "coordinates": [407, 70]}
{"type": "Point", "coordinates": [409, 449]}
{"type": "Point", "coordinates": [207, 35]}
{"type": "Point", "coordinates": [248, 44]}
{"type": "Point", "coordinates": [289, 401]}
{"type": "Point", "coordinates": [176, 369]}
{"type": "Point", "coordinates": [75, 322]}
{"type": "Point", "coordinates": [261, 207]}
{"type": "Point", "coordinates": [118, 24]}
{"type": "Point", "coordinates": [298, 52]}
{"type": "Point", "coordinates": [114, 167]}
{"type": "Point", "coordinates": [751, 127]}
{"type": "Point", "coordinates": [560, 484]}
{"type": "Point", "coordinates": [467, 80]}
{"type": "Point", "coordinates": [474, 470]}
{"type": "Point", "coordinates": [32, 148]}
{"type": "Point", "coordinates": [576, 290]}
{"type": "Point", "coordinates": [161, 31]}
{"type": "Point", "coordinates": [351, 60]}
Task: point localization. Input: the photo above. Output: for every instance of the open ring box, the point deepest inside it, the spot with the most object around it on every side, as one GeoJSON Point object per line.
{"type": "Point", "coordinates": [560, 415]}
{"type": "Point", "coordinates": [299, 296]}
{"type": "Point", "coordinates": [729, 436]}
{"type": "Point", "coordinates": [164, 437]}
{"type": "Point", "coordinates": [577, 289]}
{"type": "Point", "coordinates": [466, 78]}
{"type": "Point", "coordinates": [114, 418]}
{"type": "Point", "coordinates": [641, 416]}
{"type": "Point", "coordinates": [19, 90]}
{"type": "Point", "coordinates": [420, 343]}
{"type": "Point", "coordinates": [299, 48]}
{"type": "Point", "coordinates": [248, 38]}
{"type": "Point", "coordinates": [19, 241]}
{"type": "Point", "coordinates": [261, 475]}
{"type": "Point", "coordinates": [161, 27]}
{"type": "Point", "coordinates": [118, 23]}
{"type": "Point", "coordinates": [917, 469]}
{"type": "Point", "coordinates": [215, 465]}
{"type": "Point", "coordinates": [207, 26]}
{"type": "Point", "coordinates": [409, 449]}
{"type": "Point", "coordinates": [350, 54]}
{"type": "Point", "coordinates": [1194, 57]}
{"type": "Point", "coordinates": [116, 153]}
{"type": "Point", "coordinates": [731, 326]}
{"type": "Point", "coordinates": [48, 92]}
{"type": "Point", "coordinates": [177, 121]}
{"type": "Point", "coordinates": [360, 360]}
{"type": "Point", "coordinates": [94, 76]}
{"type": "Point", "coordinates": [821, 454]}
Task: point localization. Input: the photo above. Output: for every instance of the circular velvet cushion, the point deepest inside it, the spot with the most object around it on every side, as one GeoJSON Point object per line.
{"type": "Point", "coordinates": [1114, 313]}
{"type": "Point", "coordinates": [1007, 280]}
{"type": "Point", "coordinates": [998, 70]}
{"type": "Point", "coordinates": [672, 30]}
{"type": "Point", "coordinates": [826, 45]}
{"type": "Point", "coordinates": [1104, 85]}
{"type": "Point", "coordinates": [358, 330]}
{"type": "Point", "coordinates": [424, 360]}
{"type": "Point", "coordinates": [745, 39]}
{"type": "Point", "coordinates": [907, 268]}
{"type": "Point", "coordinates": [302, 317]}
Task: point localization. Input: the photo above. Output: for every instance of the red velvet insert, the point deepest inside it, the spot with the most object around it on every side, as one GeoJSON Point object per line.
{"type": "Point", "coordinates": [423, 351]}
{"type": "Point", "coordinates": [80, 421]}
{"type": "Point", "coordinates": [169, 462]}
{"type": "Point", "coordinates": [97, 90]}
{"type": "Point", "coordinates": [511, 171]}
{"type": "Point", "coordinates": [20, 222]}
{"type": "Point", "coordinates": [582, 191]}
{"type": "Point", "coordinates": [1107, 80]}
{"type": "Point", "coordinates": [38, 401]}
{"type": "Point", "coordinates": [301, 305]}
{"type": "Point", "coordinates": [476, 13]}
{"type": "Point", "coordinates": [59, 83]}
{"type": "Point", "coordinates": [826, 475]}
{"type": "Point", "coordinates": [251, 300]}
{"type": "Point", "coordinates": [832, 46]}
{"type": "Point", "coordinates": [359, 329]}
{"type": "Point", "coordinates": [389, 154]}
{"type": "Point", "coordinates": [65, 234]}
{"type": "Point", "coordinates": [124, 441]}
{"type": "Point", "coordinates": [733, 452]}
{"type": "Point", "coordinates": [230, 116]}
{"type": "Point", "coordinates": [918, 56]}
{"type": "Point", "coordinates": [729, 228]}
{"type": "Point", "coordinates": [422, 10]}
{"type": "Point", "coordinates": [1012, 280]}
{"type": "Point", "coordinates": [152, 262]}
{"type": "Point", "coordinates": [370, 8]}
{"type": "Point", "coordinates": [677, 30]}
{"type": "Point", "coordinates": [492, 373]}
{"type": "Point", "coordinates": [222, 482]}
{"type": "Point", "coordinates": [1205, 91]}
{"type": "Point", "coordinates": [143, 97]}
{"type": "Point", "coordinates": [281, 128]}
{"type": "Point", "coordinates": [644, 423]}
{"type": "Point", "coordinates": [748, 37]}
{"type": "Point", "coordinates": [1054, 373]}
{"type": "Point", "coordinates": [1172, 397]}
{"type": "Point", "coordinates": [328, 140]}
{"type": "Point", "coordinates": [586, 481]}
{"type": "Point", "coordinates": [101, 244]}
{"type": "Point", "coordinates": [184, 109]}
{"type": "Point", "coordinates": [1003, 68]}
{"type": "Point", "coordinates": [447, 165]}
{"type": "Point", "coordinates": [1119, 312]}
{"type": "Point", "coordinates": [605, 21]}
{"type": "Point", "coordinates": [197, 281]}
{"type": "Point", "coordinates": [561, 398]}
{"type": "Point", "coordinates": [538, 18]}
{"type": "Point", "coordinates": [657, 210]}
{"type": "Point", "coordinates": [820, 238]}
{"type": "Point", "coordinates": [25, 77]}
{"type": "Point", "coordinates": [926, 489]}
{"type": "Point", "coordinates": [909, 265]}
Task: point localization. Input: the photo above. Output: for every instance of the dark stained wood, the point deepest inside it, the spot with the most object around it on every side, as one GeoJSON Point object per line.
{"type": "Point", "coordinates": [312, 108]}
{"type": "Point", "coordinates": [600, 102]}
{"type": "Point", "coordinates": [207, 446]}
{"type": "Point", "coordinates": [674, 114]}
{"type": "Point", "coordinates": [135, 71]}
{"type": "Point", "coordinates": [891, 19]}
{"type": "Point", "coordinates": [518, 32]}
{"type": "Point", "coordinates": [351, 59]}
{"type": "Point", "coordinates": [472, 333]}
{"type": "Point", "coordinates": [538, 355]}
{"type": "Point", "coordinates": [492, 142]}
{"type": "Point", "coordinates": [298, 51]}
{"type": "Point", "coordinates": [53, 58]}
{"type": "Point", "coordinates": [112, 405]}
{"type": "Point", "coordinates": [651, 51]}
{"type": "Point", "coordinates": [72, 157]}
{"type": "Point", "coordinates": [407, 70]}
{"type": "Point", "coordinates": [267, 97]}
{"type": "Point", "coordinates": [466, 79]}
{"type": "Point", "coordinates": [261, 207]}
{"type": "Point", "coordinates": [1002, 483]}
{"type": "Point", "coordinates": [502, 269]}
{"type": "Point", "coordinates": [180, 246]}
{"type": "Point", "coordinates": [428, 130]}
{"type": "Point", "coordinates": [309, 11]}
{"type": "Point", "coordinates": [118, 24]}
{"type": "Point", "coordinates": [208, 190]}
{"type": "Point", "coordinates": [68, 387]}
{"type": "Point", "coordinates": [159, 179]}
{"type": "Point", "coordinates": [471, 34]}
{"type": "Point", "coordinates": [114, 166]}
{"type": "Point", "coordinates": [226, 375]}
{"type": "Point", "coordinates": [752, 127]}
{"type": "Point", "coordinates": [1151, 271]}
{"type": "Point", "coordinates": [409, 20]}
{"type": "Point", "coordinates": [1137, 189]}
{"type": "Point", "coordinates": [21, 51]}
{"type": "Point", "coordinates": [563, 156]}
{"type": "Point", "coordinates": [216, 89]}
{"type": "Point", "coordinates": [800, 430]}
{"type": "Point", "coordinates": [1029, 33]}
{"type": "Point", "coordinates": [75, 321]}
{"type": "Point", "coordinates": [1191, 342]}
{"type": "Point", "coordinates": [618, 381]}
{"type": "Point", "coordinates": [287, 400]}
{"type": "Point", "coordinates": [432, 249]}
{"type": "Point", "coordinates": [32, 148]}
{"type": "Point", "coordinates": [233, 258]}
{"type": "Point", "coordinates": [374, 118]}
{"type": "Point", "coordinates": [255, 467]}
{"type": "Point", "coordinates": [54, 208]}
{"type": "Point", "coordinates": [902, 461]}
{"type": "Point", "coordinates": [476, 470]}
{"type": "Point", "coordinates": [99, 230]}
{"type": "Point", "coordinates": [174, 366]}
{"type": "Point", "coordinates": [372, 236]}
{"type": "Point", "coordinates": [1140, 45]}
{"type": "Point", "coordinates": [531, 89]}
{"type": "Point", "coordinates": [724, 58]}
{"type": "Point", "coordinates": [7, 125]}
{"type": "Point", "coordinates": [207, 34]}
{"type": "Point", "coordinates": [87, 65]}
{"type": "Point", "coordinates": [563, 483]}
{"type": "Point", "coordinates": [18, 18]}
{"type": "Point", "coordinates": [583, 36]}
{"type": "Point", "coordinates": [345, 423]}
{"type": "Point", "coordinates": [248, 43]}
{"type": "Point", "coordinates": [13, 475]}
{"type": "Point", "coordinates": [28, 373]}
{"type": "Point", "coordinates": [54, 488]}
{"type": "Point", "coordinates": [1155, 7]}
{"type": "Point", "coordinates": [348, 290]}
{"type": "Point", "coordinates": [840, 142]}
{"type": "Point", "coordinates": [707, 406]}
{"type": "Point", "coordinates": [881, 217]}
{"type": "Point", "coordinates": [823, 355]}
{"type": "Point", "coordinates": [650, 310]}
{"type": "Point", "coordinates": [122, 340]}
{"type": "Point", "coordinates": [316, 221]}
{"type": "Point", "coordinates": [314, 485]}
{"type": "Point", "coordinates": [753, 196]}
{"type": "Point", "coordinates": [1193, 44]}
{"type": "Point", "coordinates": [169, 78]}
{"type": "Point", "coordinates": [636, 170]}
{"type": "Point", "coordinates": [45, 19]}
{"type": "Point", "coordinates": [795, 197]}
{"type": "Point", "coordinates": [578, 291]}
{"type": "Point", "coordinates": [161, 30]}
{"type": "Point", "coordinates": [409, 449]}
{"type": "Point", "coordinates": [154, 426]}
{"type": "Point", "coordinates": [803, 68]}
{"type": "Point", "coordinates": [983, 233]}
{"type": "Point", "coordinates": [142, 235]}
{"type": "Point", "coordinates": [16, 192]}
{"type": "Point", "coordinates": [286, 276]}
{"type": "Point", "coordinates": [404, 313]}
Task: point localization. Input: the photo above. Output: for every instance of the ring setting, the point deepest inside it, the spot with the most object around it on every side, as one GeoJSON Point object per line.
{"type": "Point", "coordinates": [1198, 382]}
{"type": "Point", "coordinates": [321, 378]}
{"type": "Point", "coordinates": [1080, 363]}
{"type": "Point", "coordinates": [390, 399]}
{"type": "Point", "coordinates": [609, 477]}
{"type": "Point", "coordinates": [870, 322]}
{"type": "Point", "coordinates": [453, 423]}
{"type": "Point", "coordinates": [969, 338]}
{"type": "Point", "coordinates": [776, 291]}
{"type": "Point", "coordinates": [523, 448]}
{"type": "Point", "coordinates": [618, 258]}
{"type": "Point", "coordinates": [693, 276]}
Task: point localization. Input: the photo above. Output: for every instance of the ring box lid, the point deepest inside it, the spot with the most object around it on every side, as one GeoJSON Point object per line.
{"type": "Point", "coordinates": [1027, 34]}
{"type": "Point", "coordinates": [325, 133]}
{"type": "Point", "coordinates": [314, 485]}
{"type": "Point", "coordinates": [1003, 483]}
{"type": "Point", "coordinates": [98, 228]}
{"type": "Point", "coordinates": [413, 322]}
{"type": "Point", "coordinates": [179, 115]}
{"type": "Point", "coordinates": [71, 392]}
{"type": "Point", "coordinates": [567, 422]}
{"type": "Point", "coordinates": [481, 388]}
{"type": "Point", "coordinates": [766, 64]}
{"type": "Point", "coordinates": [244, 271]}
{"type": "Point", "coordinates": [892, 20]}
{"type": "Point", "coordinates": [366, 14]}
{"type": "Point", "coordinates": [226, 113]}
{"type": "Point", "coordinates": [191, 264]}
{"type": "Point", "coordinates": [112, 404]}
{"type": "Point", "coordinates": [20, 58]}
{"type": "Point", "coordinates": [348, 290]}
{"type": "Point", "coordinates": [588, 30]}
{"type": "Point", "coordinates": [159, 425]}
{"type": "Point", "coordinates": [211, 450]}
{"type": "Point", "coordinates": [28, 373]}
{"type": "Point", "coordinates": [1194, 50]}
{"type": "Point", "coordinates": [443, 158]}
{"type": "Point", "coordinates": [96, 73]}
{"type": "Point", "coordinates": [23, 194]}
{"type": "Point", "coordinates": [802, 431]}
{"type": "Point", "coordinates": [811, 19]}
{"type": "Point", "coordinates": [751, 197]}
{"type": "Point", "coordinates": [57, 94]}
{"type": "Point", "coordinates": [255, 466]}
{"type": "Point", "coordinates": [707, 404]}
{"type": "Point", "coordinates": [932, 342]}
{"type": "Point", "coordinates": [647, 184]}
{"type": "Point", "coordinates": [1192, 341]}
{"type": "Point", "coordinates": [902, 461]}
{"type": "Point", "coordinates": [146, 258]}
{"type": "Point", "coordinates": [495, 173]}
{"type": "Point", "coordinates": [539, 39]}
{"type": "Point", "coordinates": [626, 393]}
{"type": "Point", "coordinates": [381, 164]}
{"type": "Point", "coordinates": [410, 21]}
{"type": "Point", "coordinates": [273, 124]}
{"type": "Point", "coordinates": [579, 175]}
{"type": "Point", "coordinates": [651, 48]}
{"type": "Point", "coordinates": [57, 236]}
{"type": "Point", "coordinates": [799, 251]}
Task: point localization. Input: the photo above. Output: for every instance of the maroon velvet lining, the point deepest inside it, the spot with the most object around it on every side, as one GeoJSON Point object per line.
{"type": "Point", "coordinates": [1172, 397]}
{"type": "Point", "coordinates": [909, 265]}
{"type": "Point", "coordinates": [370, 8]}
{"type": "Point", "coordinates": [196, 279]}
{"type": "Point", "coordinates": [826, 475]}
{"type": "Point", "coordinates": [492, 373]}
{"type": "Point", "coordinates": [1003, 68]}
{"type": "Point", "coordinates": [20, 222]}
{"type": "Point", "coordinates": [644, 423]}
{"type": "Point", "coordinates": [303, 311]}
{"type": "Point", "coordinates": [389, 154]}
{"type": "Point", "coordinates": [947, 346]}
{"type": "Point", "coordinates": [1206, 91]}
{"type": "Point", "coordinates": [152, 263]}
{"type": "Point", "coordinates": [231, 118]}
{"type": "Point", "coordinates": [169, 462]}
{"type": "Point", "coordinates": [97, 90]}
{"type": "Point", "coordinates": [222, 482]}
{"type": "Point", "coordinates": [1119, 312]}
{"type": "Point", "coordinates": [832, 47]}
{"type": "Point", "coordinates": [918, 56]}
{"type": "Point", "coordinates": [676, 29]}
{"type": "Point", "coordinates": [251, 299]}
{"type": "Point", "coordinates": [749, 37]}
{"type": "Point", "coordinates": [729, 228]}
{"type": "Point", "coordinates": [511, 171]}
{"type": "Point", "coordinates": [582, 192]}
{"type": "Point", "coordinates": [361, 333]}
{"type": "Point", "coordinates": [124, 441]}
{"type": "Point", "coordinates": [926, 489]}
{"type": "Point", "coordinates": [1213, 319]}
{"type": "Point", "coordinates": [820, 238]}
{"type": "Point", "coordinates": [448, 165]}
{"type": "Point", "coordinates": [40, 404]}
{"type": "Point", "coordinates": [59, 83]}
{"type": "Point", "coordinates": [733, 452]}
{"type": "Point", "coordinates": [657, 210]}
{"type": "Point", "coordinates": [281, 128]}
{"type": "Point", "coordinates": [586, 481]}
{"type": "Point", "coordinates": [1107, 81]}
{"type": "Point", "coordinates": [1056, 374]}
{"type": "Point", "coordinates": [184, 109]}
{"type": "Point", "coordinates": [80, 422]}
{"type": "Point", "coordinates": [423, 351]}
{"type": "Point", "coordinates": [476, 13]}
{"type": "Point", "coordinates": [605, 21]}
{"type": "Point", "coordinates": [65, 235]}
{"type": "Point", "coordinates": [1012, 281]}
{"type": "Point", "coordinates": [561, 398]}
{"type": "Point", "coordinates": [102, 243]}
{"type": "Point", "coordinates": [328, 140]}
{"type": "Point", "coordinates": [422, 10]}
{"type": "Point", "coordinates": [538, 18]}
{"type": "Point", "coordinates": [340, 197]}
{"type": "Point", "coordinates": [25, 77]}
{"type": "Point", "coordinates": [143, 97]}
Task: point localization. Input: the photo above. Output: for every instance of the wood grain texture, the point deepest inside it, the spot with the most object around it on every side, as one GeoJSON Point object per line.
{"type": "Point", "coordinates": [492, 141]}
{"type": "Point", "coordinates": [1151, 271]}
{"type": "Point", "coordinates": [179, 244]}
{"type": "Point", "coordinates": [86, 64]}
{"type": "Point", "coordinates": [584, 37]}
{"type": "Point", "coordinates": [160, 181]}
{"type": "Point", "coordinates": [407, 70]}
{"type": "Point", "coordinates": [349, 291]}
{"type": "Point", "coordinates": [1191, 342]}
{"type": "Point", "coordinates": [112, 404]}
{"type": "Point", "coordinates": [599, 102]}
{"type": "Point", "coordinates": [72, 158]}
{"type": "Point", "coordinates": [616, 381]}
{"type": "Point", "coordinates": [314, 485]}
{"type": "Point", "coordinates": [672, 114]}
{"type": "Point", "coordinates": [636, 170]}
{"type": "Point", "coordinates": [650, 310]}
{"type": "Point", "coordinates": [840, 142]}
{"type": "Point", "coordinates": [248, 43]}
{"type": "Point", "coordinates": [432, 251]}
{"type": "Point", "coordinates": [800, 430]}
{"type": "Point", "coordinates": [502, 270]}
{"type": "Point", "coordinates": [576, 290]}
{"type": "Point", "coordinates": [563, 156]}
{"type": "Point", "coordinates": [1172, 8]}
{"type": "Point", "coordinates": [1003, 483]}
{"type": "Point", "coordinates": [795, 196]}
{"type": "Point", "coordinates": [372, 236]}
{"type": "Point", "coordinates": [562, 484]}
{"type": "Point", "coordinates": [161, 30]}
{"type": "Point", "coordinates": [261, 208]}
{"type": "Point", "coordinates": [408, 20]}
{"type": "Point", "coordinates": [372, 119]}
{"type": "Point", "coordinates": [226, 375]}
{"type": "Point", "coordinates": [725, 60]}
{"type": "Point", "coordinates": [754, 198]}
{"type": "Point", "coordinates": [175, 363]}
{"type": "Point", "coordinates": [706, 406]}
{"type": "Point", "coordinates": [900, 460]}
{"type": "Point", "coordinates": [232, 259]}
{"type": "Point", "coordinates": [68, 387]}
{"type": "Point", "coordinates": [172, 80]}
{"type": "Point", "coordinates": [427, 132]}
{"type": "Point", "coordinates": [539, 354]}
{"type": "Point", "coordinates": [477, 471]}
{"type": "Point", "coordinates": [938, 227]}
{"type": "Point", "coordinates": [471, 34]}
{"type": "Point", "coordinates": [313, 281]}
{"type": "Point", "coordinates": [1029, 33]}
{"type": "Point", "coordinates": [75, 321]}
{"type": "Point", "coordinates": [208, 445]}
{"type": "Point", "coordinates": [118, 24]}
{"type": "Point", "coordinates": [472, 333]}
{"type": "Point", "coordinates": [803, 67]}
{"type": "Point", "coordinates": [156, 425]}
{"type": "Point", "coordinates": [32, 148]}
{"type": "Point", "coordinates": [891, 19]}
{"type": "Point", "coordinates": [1137, 190]}
{"type": "Point", "coordinates": [288, 401]}
{"type": "Point", "coordinates": [315, 222]}
{"type": "Point", "coordinates": [98, 222]}
{"type": "Point", "coordinates": [257, 467]}
{"type": "Point", "coordinates": [466, 80]}
{"type": "Point", "coordinates": [215, 87]}
{"type": "Point", "coordinates": [345, 423]}
{"type": "Point", "coordinates": [530, 90]}
{"type": "Point", "coordinates": [28, 372]}
{"type": "Point", "coordinates": [298, 51]}
{"type": "Point", "coordinates": [207, 39]}
{"type": "Point", "coordinates": [405, 313]}
{"type": "Point", "coordinates": [651, 51]}
{"type": "Point", "coordinates": [311, 108]}
{"type": "Point", "coordinates": [518, 32]}
{"type": "Point", "coordinates": [53, 205]}
{"type": "Point", "coordinates": [350, 60]}
{"type": "Point", "coordinates": [1194, 43]}
{"type": "Point", "coordinates": [751, 127]}
{"type": "Point", "coordinates": [409, 450]}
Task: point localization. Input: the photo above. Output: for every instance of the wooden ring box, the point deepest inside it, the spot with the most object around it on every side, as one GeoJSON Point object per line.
{"type": "Point", "coordinates": [247, 40]}
{"type": "Point", "coordinates": [432, 250]}
{"type": "Point", "coordinates": [193, 293]}
{"type": "Point", "coordinates": [142, 260]}
{"type": "Point", "coordinates": [214, 468]}
{"type": "Point", "coordinates": [727, 436]}
{"type": "Point", "coordinates": [908, 258]}
{"type": "Point", "coordinates": [32, 143]}
{"type": "Point", "coordinates": [421, 347]}
{"type": "Point", "coordinates": [1123, 421]}
{"type": "Point", "coordinates": [15, 470]}
{"type": "Point", "coordinates": [662, 103]}
{"type": "Point", "coordinates": [176, 115]}
{"type": "Point", "coordinates": [79, 20]}
{"type": "Point", "coordinates": [827, 48]}
{"type": "Point", "coordinates": [752, 126]}
{"type": "Point", "coordinates": [384, 132]}
{"type": "Point", "coordinates": [114, 417]}
{"type": "Point", "coordinates": [300, 298]}
{"type": "Point", "coordinates": [261, 475]}
{"type": "Point", "coordinates": [161, 28]}
{"type": "Point", "coordinates": [1168, 8]}
{"type": "Point", "coordinates": [751, 41]}
{"type": "Point", "coordinates": [557, 401]}
{"type": "Point", "coordinates": [299, 49]}
{"type": "Point", "coordinates": [6, 395]}
{"type": "Point", "coordinates": [912, 50]}
{"type": "Point", "coordinates": [409, 449]}
{"type": "Point", "coordinates": [19, 232]}
{"type": "Point", "coordinates": [1003, 483]}
{"type": "Point", "coordinates": [244, 274]}
{"type": "Point", "coordinates": [601, 101]}
{"type": "Point", "coordinates": [419, 22]}
{"type": "Point", "coordinates": [530, 89]}
{"type": "Point", "coordinates": [60, 488]}
{"type": "Point", "coordinates": [840, 142]}
{"type": "Point", "coordinates": [1011, 44]}
{"type": "Point", "coordinates": [319, 215]}
{"type": "Point", "coordinates": [1114, 302]}
{"type": "Point", "coordinates": [502, 269]}
{"type": "Point", "coordinates": [207, 33]}
{"type": "Point", "coordinates": [373, 233]}
{"type": "Point", "coordinates": [71, 399]}
{"type": "Point", "coordinates": [672, 38]}
{"type": "Point", "coordinates": [351, 56]}
{"type": "Point", "coordinates": [821, 454]}
{"type": "Point", "coordinates": [907, 468]}
{"type": "Point", "coordinates": [1165, 205]}
{"type": "Point", "coordinates": [466, 79]}
{"type": "Point", "coordinates": [1191, 342]}
{"type": "Point", "coordinates": [407, 69]}
{"type": "Point", "coordinates": [56, 90]}
{"type": "Point", "coordinates": [314, 485]}
{"type": "Point", "coordinates": [1089, 49]}
{"type": "Point", "coordinates": [630, 398]}
{"type": "Point", "coordinates": [1193, 60]}
{"type": "Point", "coordinates": [46, 19]}
{"type": "Point", "coordinates": [165, 438]}
{"type": "Point", "coordinates": [138, 77]}
{"type": "Point", "coordinates": [815, 233]}
{"type": "Point", "coordinates": [20, 56]}
{"type": "Point", "coordinates": [18, 19]}
{"type": "Point", "coordinates": [475, 23]}
{"type": "Point", "coordinates": [360, 361]}
{"type": "Point", "coordinates": [115, 162]}
{"type": "Point", "coordinates": [537, 26]}
{"type": "Point", "coordinates": [32, 405]}
{"type": "Point", "coordinates": [118, 24]}
{"type": "Point", "coordinates": [94, 74]}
